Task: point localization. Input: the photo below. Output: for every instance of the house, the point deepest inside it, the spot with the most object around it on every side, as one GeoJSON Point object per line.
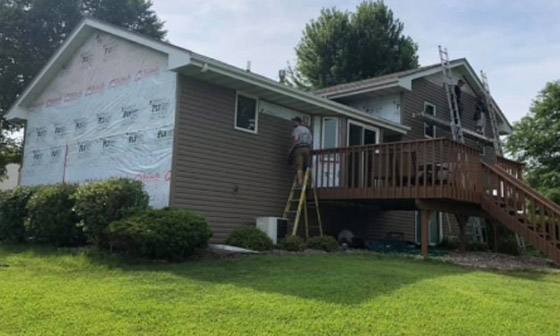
{"type": "Point", "coordinates": [10, 181]}
{"type": "Point", "coordinates": [213, 138]}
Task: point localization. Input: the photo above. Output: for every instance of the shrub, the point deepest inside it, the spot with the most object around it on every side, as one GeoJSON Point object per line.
{"type": "Point", "coordinates": [171, 234]}
{"type": "Point", "coordinates": [100, 203]}
{"type": "Point", "coordinates": [13, 211]}
{"type": "Point", "coordinates": [324, 243]}
{"type": "Point", "coordinates": [477, 247]}
{"type": "Point", "coordinates": [508, 244]}
{"type": "Point", "coordinates": [250, 238]}
{"type": "Point", "coordinates": [449, 244]}
{"type": "Point", "coordinates": [292, 243]}
{"type": "Point", "coordinates": [51, 219]}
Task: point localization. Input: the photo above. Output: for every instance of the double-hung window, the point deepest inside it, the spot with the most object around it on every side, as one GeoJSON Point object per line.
{"type": "Point", "coordinates": [429, 129]}
{"type": "Point", "coordinates": [246, 114]}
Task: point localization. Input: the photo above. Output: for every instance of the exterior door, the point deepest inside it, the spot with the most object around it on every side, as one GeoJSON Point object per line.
{"type": "Point", "coordinates": [359, 135]}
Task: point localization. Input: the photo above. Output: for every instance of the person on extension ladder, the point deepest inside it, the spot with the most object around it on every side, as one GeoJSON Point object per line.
{"type": "Point", "coordinates": [301, 147]}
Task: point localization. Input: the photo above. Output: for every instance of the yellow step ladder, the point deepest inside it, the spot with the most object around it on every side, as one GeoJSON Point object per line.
{"type": "Point", "coordinates": [301, 200]}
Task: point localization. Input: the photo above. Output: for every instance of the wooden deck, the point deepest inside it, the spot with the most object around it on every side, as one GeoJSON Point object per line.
{"type": "Point", "coordinates": [439, 175]}
{"type": "Point", "coordinates": [423, 169]}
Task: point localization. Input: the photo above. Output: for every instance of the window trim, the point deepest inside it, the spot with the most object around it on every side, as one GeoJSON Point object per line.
{"type": "Point", "coordinates": [441, 234]}
{"type": "Point", "coordinates": [377, 130]}
{"type": "Point", "coordinates": [434, 128]}
{"type": "Point", "coordinates": [257, 105]}
{"type": "Point", "coordinates": [323, 131]}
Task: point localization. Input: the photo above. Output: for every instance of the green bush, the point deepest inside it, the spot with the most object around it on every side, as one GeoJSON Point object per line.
{"type": "Point", "coordinates": [250, 238]}
{"type": "Point", "coordinates": [13, 211]}
{"type": "Point", "coordinates": [477, 246]}
{"type": "Point", "coordinates": [50, 218]}
{"type": "Point", "coordinates": [292, 243]}
{"type": "Point", "coordinates": [324, 243]}
{"type": "Point", "coordinates": [449, 244]}
{"type": "Point", "coordinates": [100, 203]}
{"type": "Point", "coordinates": [508, 244]}
{"type": "Point", "coordinates": [171, 234]}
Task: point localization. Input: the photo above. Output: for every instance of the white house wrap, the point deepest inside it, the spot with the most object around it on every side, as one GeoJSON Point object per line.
{"type": "Point", "coordinates": [108, 113]}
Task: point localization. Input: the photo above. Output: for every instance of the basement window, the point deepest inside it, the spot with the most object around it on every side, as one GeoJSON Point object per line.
{"type": "Point", "coordinates": [429, 129]}
{"type": "Point", "coordinates": [246, 116]}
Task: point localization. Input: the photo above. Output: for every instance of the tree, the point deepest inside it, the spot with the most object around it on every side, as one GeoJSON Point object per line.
{"type": "Point", "coordinates": [340, 47]}
{"type": "Point", "coordinates": [535, 141]}
{"type": "Point", "coordinates": [31, 31]}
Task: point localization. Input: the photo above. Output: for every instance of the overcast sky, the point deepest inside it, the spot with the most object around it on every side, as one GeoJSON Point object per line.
{"type": "Point", "coordinates": [516, 42]}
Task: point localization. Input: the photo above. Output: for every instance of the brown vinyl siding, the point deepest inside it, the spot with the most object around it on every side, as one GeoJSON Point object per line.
{"type": "Point", "coordinates": [229, 176]}
{"type": "Point", "coordinates": [425, 91]}
{"type": "Point", "coordinates": [392, 221]}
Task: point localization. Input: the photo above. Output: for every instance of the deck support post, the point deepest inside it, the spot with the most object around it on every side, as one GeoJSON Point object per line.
{"type": "Point", "coordinates": [494, 225]}
{"type": "Point", "coordinates": [462, 221]}
{"type": "Point", "coordinates": [425, 231]}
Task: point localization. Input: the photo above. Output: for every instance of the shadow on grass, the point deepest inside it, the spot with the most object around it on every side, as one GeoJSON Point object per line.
{"type": "Point", "coordinates": [336, 278]}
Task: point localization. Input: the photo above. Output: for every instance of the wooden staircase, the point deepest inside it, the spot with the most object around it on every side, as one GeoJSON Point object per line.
{"type": "Point", "coordinates": [522, 209]}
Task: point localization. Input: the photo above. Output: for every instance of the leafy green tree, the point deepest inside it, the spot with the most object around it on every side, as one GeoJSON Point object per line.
{"type": "Point", "coordinates": [31, 31]}
{"type": "Point", "coordinates": [535, 141]}
{"type": "Point", "coordinates": [340, 47]}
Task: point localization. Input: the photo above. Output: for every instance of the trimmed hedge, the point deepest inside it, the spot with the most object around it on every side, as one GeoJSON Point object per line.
{"type": "Point", "coordinates": [171, 234]}
{"type": "Point", "coordinates": [324, 243]}
{"type": "Point", "coordinates": [100, 203]}
{"type": "Point", "coordinates": [13, 211]}
{"type": "Point", "coordinates": [250, 238]}
{"type": "Point", "coordinates": [292, 243]}
{"type": "Point", "coordinates": [50, 218]}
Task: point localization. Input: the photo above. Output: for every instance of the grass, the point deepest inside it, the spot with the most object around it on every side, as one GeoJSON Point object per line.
{"type": "Point", "coordinates": [45, 292]}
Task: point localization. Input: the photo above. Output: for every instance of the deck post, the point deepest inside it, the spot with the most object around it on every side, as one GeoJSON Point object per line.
{"type": "Point", "coordinates": [462, 221]}
{"type": "Point", "coordinates": [494, 225]}
{"type": "Point", "coordinates": [425, 232]}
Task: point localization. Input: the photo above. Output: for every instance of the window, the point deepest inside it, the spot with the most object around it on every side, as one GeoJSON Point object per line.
{"type": "Point", "coordinates": [429, 130]}
{"type": "Point", "coordinates": [246, 116]}
{"type": "Point", "coordinates": [435, 228]}
{"type": "Point", "coordinates": [359, 134]}
{"type": "Point", "coordinates": [330, 133]}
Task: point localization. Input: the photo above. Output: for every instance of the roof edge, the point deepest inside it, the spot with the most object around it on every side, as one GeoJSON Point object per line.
{"type": "Point", "coordinates": [267, 83]}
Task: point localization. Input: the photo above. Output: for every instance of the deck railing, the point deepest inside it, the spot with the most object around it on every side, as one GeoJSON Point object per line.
{"type": "Point", "coordinates": [522, 209]}
{"type": "Point", "coordinates": [513, 168]}
{"type": "Point", "coordinates": [432, 168]}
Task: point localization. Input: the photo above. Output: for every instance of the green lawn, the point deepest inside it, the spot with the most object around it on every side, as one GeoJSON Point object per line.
{"type": "Point", "coordinates": [43, 292]}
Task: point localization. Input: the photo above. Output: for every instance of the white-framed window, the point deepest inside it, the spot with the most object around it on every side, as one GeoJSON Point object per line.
{"type": "Point", "coordinates": [435, 228]}
{"type": "Point", "coordinates": [329, 133]}
{"type": "Point", "coordinates": [246, 113]}
{"type": "Point", "coordinates": [429, 130]}
{"type": "Point", "coordinates": [361, 134]}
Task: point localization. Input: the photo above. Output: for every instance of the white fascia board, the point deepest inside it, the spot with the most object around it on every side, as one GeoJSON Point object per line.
{"type": "Point", "coordinates": [232, 72]}
{"type": "Point", "coordinates": [177, 58]}
{"type": "Point", "coordinates": [364, 89]}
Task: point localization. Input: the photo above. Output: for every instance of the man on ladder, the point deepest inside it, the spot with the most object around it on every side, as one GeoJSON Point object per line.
{"type": "Point", "coordinates": [300, 153]}
{"type": "Point", "coordinates": [301, 147]}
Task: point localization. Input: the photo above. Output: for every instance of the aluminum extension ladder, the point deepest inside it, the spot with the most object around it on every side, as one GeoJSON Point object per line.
{"type": "Point", "coordinates": [456, 128]}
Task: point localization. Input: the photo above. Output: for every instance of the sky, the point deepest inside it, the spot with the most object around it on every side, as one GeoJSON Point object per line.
{"type": "Point", "coordinates": [516, 42]}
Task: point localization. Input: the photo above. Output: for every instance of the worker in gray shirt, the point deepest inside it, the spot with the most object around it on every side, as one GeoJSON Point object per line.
{"type": "Point", "coordinates": [301, 147]}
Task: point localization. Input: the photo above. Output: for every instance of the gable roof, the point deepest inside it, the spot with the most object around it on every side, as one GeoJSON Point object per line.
{"type": "Point", "coordinates": [403, 80]}
{"type": "Point", "coordinates": [180, 59]}
{"type": "Point", "coordinates": [372, 82]}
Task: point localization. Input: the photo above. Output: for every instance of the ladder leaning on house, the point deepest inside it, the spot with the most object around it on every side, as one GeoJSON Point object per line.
{"type": "Point", "coordinates": [498, 150]}
{"type": "Point", "coordinates": [455, 122]}
{"type": "Point", "coordinates": [449, 86]}
{"type": "Point", "coordinates": [298, 194]}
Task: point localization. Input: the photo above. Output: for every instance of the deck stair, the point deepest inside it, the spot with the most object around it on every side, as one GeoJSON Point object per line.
{"type": "Point", "coordinates": [522, 209]}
